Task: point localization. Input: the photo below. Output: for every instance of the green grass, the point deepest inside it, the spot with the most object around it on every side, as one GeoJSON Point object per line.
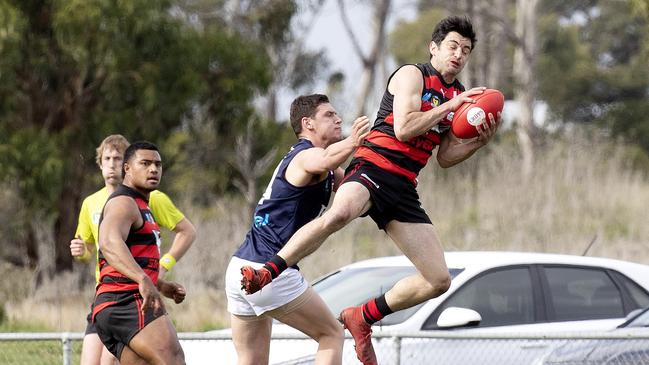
{"type": "Point", "coordinates": [22, 326]}
{"type": "Point", "coordinates": [49, 352]}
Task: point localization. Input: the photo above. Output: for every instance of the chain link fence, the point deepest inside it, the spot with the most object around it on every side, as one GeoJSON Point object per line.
{"type": "Point", "coordinates": [454, 348]}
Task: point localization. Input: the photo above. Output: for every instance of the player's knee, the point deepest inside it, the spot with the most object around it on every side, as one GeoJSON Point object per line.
{"type": "Point", "coordinates": [439, 285]}
{"type": "Point", "coordinates": [333, 333]}
{"type": "Point", "coordinates": [338, 333]}
{"type": "Point", "coordinates": [337, 219]}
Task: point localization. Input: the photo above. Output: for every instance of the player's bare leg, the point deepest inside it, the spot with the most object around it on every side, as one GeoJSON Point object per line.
{"type": "Point", "coordinates": [251, 337]}
{"type": "Point", "coordinates": [420, 243]}
{"type": "Point", "coordinates": [129, 357]}
{"type": "Point", "coordinates": [312, 317]}
{"type": "Point", "coordinates": [351, 200]}
{"type": "Point", "coordinates": [94, 352]}
{"type": "Point", "coordinates": [157, 343]}
{"type": "Point", "coordinates": [106, 357]}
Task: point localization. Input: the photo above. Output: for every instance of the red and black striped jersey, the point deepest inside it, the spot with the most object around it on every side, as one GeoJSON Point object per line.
{"type": "Point", "coordinates": [383, 149]}
{"type": "Point", "coordinates": [143, 243]}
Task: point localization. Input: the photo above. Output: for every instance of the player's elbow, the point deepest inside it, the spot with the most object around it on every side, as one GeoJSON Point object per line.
{"type": "Point", "coordinates": [444, 163]}
{"type": "Point", "coordinates": [401, 134]}
{"type": "Point", "coordinates": [401, 137]}
{"type": "Point", "coordinates": [109, 249]}
{"type": "Point", "coordinates": [187, 229]}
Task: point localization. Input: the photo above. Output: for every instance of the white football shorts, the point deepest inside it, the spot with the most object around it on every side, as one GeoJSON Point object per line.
{"type": "Point", "coordinates": [283, 289]}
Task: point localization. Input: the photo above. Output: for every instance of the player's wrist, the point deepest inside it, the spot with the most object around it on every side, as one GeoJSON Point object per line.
{"type": "Point", "coordinates": [167, 261]}
{"type": "Point", "coordinates": [84, 257]}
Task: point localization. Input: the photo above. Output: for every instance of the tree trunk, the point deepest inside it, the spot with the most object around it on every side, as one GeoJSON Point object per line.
{"type": "Point", "coordinates": [369, 63]}
{"type": "Point", "coordinates": [68, 210]}
{"type": "Point", "coordinates": [249, 169]}
{"type": "Point", "coordinates": [525, 83]}
{"type": "Point", "coordinates": [497, 43]}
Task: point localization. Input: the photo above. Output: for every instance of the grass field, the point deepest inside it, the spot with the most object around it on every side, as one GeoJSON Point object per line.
{"type": "Point", "coordinates": [36, 352]}
{"type": "Point", "coordinates": [583, 189]}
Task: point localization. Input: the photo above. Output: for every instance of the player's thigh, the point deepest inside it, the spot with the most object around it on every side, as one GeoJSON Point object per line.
{"type": "Point", "coordinates": [352, 199]}
{"type": "Point", "coordinates": [91, 350]}
{"type": "Point", "coordinates": [251, 334]}
{"type": "Point", "coordinates": [311, 316]}
{"type": "Point", "coordinates": [107, 358]}
{"type": "Point", "coordinates": [129, 357]}
{"type": "Point", "coordinates": [157, 340]}
{"type": "Point", "coordinates": [420, 243]}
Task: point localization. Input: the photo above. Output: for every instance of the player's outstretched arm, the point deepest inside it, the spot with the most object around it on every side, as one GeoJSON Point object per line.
{"type": "Point", "coordinates": [316, 161]}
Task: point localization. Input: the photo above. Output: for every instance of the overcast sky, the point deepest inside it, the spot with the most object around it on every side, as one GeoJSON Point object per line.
{"type": "Point", "coordinates": [327, 33]}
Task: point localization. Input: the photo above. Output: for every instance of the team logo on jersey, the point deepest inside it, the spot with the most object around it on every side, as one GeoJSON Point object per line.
{"type": "Point", "coordinates": [158, 240]}
{"type": "Point", "coordinates": [436, 101]}
{"type": "Point", "coordinates": [426, 96]}
{"type": "Point", "coordinates": [149, 217]}
{"type": "Point", "coordinates": [449, 116]}
{"type": "Point", "coordinates": [261, 221]}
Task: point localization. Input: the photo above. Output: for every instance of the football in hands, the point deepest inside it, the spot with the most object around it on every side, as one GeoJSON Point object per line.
{"type": "Point", "coordinates": [470, 115]}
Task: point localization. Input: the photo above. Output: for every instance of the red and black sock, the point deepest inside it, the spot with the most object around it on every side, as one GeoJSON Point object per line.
{"type": "Point", "coordinates": [276, 266]}
{"type": "Point", "coordinates": [375, 309]}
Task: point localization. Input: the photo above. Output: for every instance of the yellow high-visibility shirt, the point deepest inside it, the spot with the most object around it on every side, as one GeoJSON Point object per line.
{"type": "Point", "coordinates": [164, 211]}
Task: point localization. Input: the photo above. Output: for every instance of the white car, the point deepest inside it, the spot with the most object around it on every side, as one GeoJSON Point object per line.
{"type": "Point", "coordinates": [491, 292]}
{"type": "Point", "coordinates": [626, 345]}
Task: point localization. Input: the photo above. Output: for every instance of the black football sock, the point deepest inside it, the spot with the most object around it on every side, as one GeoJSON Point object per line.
{"type": "Point", "coordinates": [375, 309]}
{"type": "Point", "coordinates": [276, 266]}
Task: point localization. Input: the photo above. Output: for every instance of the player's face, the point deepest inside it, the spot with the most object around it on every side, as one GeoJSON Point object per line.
{"type": "Point", "coordinates": [450, 57]}
{"type": "Point", "coordinates": [327, 124]}
{"type": "Point", "coordinates": [111, 165]}
{"type": "Point", "coordinates": [144, 170]}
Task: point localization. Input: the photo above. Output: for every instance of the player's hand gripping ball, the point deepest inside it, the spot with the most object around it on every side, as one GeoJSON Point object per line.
{"type": "Point", "coordinates": [469, 115]}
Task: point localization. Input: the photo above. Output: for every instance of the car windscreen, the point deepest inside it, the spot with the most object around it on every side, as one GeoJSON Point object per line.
{"type": "Point", "coordinates": [352, 287]}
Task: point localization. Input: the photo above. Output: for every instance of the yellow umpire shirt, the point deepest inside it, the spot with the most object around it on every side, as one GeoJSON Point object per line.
{"type": "Point", "coordinates": [164, 211]}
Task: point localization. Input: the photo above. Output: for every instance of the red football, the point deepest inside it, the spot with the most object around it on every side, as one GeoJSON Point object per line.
{"type": "Point", "coordinates": [468, 116]}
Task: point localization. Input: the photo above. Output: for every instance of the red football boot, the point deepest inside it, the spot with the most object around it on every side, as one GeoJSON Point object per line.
{"type": "Point", "coordinates": [352, 319]}
{"type": "Point", "coordinates": [253, 280]}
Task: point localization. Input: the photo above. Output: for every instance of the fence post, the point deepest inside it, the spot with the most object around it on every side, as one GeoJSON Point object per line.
{"type": "Point", "coordinates": [67, 348]}
{"type": "Point", "coordinates": [397, 347]}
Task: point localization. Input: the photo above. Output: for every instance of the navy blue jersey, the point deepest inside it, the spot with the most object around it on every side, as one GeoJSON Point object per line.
{"type": "Point", "coordinates": [283, 209]}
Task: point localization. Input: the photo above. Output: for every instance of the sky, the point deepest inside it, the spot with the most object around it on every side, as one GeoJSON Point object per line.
{"type": "Point", "coordinates": [328, 33]}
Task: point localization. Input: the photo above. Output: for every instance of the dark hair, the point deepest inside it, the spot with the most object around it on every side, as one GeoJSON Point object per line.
{"type": "Point", "coordinates": [305, 106]}
{"type": "Point", "coordinates": [461, 25]}
{"type": "Point", "coordinates": [134, 147]}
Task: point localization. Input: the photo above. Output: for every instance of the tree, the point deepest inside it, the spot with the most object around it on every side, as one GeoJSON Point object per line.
{"type": "Point", "coordinates": [380, 13]}
{"type": "Point", "coordinates": [75, 71]}
{"type": "Point", "coordinates": [525, 55]}
{"type": "Point", "coordinates": [596, 52]}
{"type": "Point", "coordinates": [241, 128]}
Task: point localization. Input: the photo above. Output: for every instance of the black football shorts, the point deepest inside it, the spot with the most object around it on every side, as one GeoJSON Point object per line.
{"type": "Point", "coordinates": [121, 320]}
{"type": "Point", "coordinates": [394, 197]}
